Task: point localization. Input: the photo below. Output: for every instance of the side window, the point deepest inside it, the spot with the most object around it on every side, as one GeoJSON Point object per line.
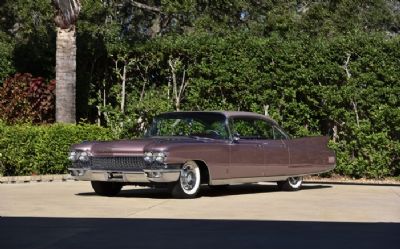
{"type": "Point", "coordinates": [278, 134]}
{"type": "Point", "coordinates": [264, 128]}
{"type": "Point", "coordinates": [218, 130]}
{"type": "Point", "coordinates": [245, 128]}
{"type": "Point", "coordinates": [252, 128]}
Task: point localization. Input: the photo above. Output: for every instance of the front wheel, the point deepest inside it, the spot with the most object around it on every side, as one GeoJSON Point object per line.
{"type": "Point", "coordinates": [188, 185]}
{"type": "Point", "coordinates": [106, 188]}
{"type": "Point", "coordinates": [291, 184]}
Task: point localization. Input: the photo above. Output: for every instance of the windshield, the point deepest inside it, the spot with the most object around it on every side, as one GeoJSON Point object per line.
{"type": "Point", "coordinates": [189, 124]}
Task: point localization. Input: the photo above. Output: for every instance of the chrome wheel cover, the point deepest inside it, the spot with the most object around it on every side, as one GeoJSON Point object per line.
{"type": "Point", "coordinates": [190, 178]}
{"type": "Point", "coordinates": [295, 182]}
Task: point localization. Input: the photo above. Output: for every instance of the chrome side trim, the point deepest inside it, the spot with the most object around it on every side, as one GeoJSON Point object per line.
{"type": "Point", "coordinates": [248, 180]}
{"type": "Point", "coordinates": [262, 179]}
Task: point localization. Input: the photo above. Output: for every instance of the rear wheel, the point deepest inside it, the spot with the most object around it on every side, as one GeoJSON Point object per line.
{"type": "Point", "coordinates": [291, 184]}
{"type": "Point", "coordinates": [188, 185]}
{"type": "Point", "coordinates": [106, 188]}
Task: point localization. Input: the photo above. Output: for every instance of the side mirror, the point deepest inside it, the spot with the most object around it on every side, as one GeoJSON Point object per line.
{"type": "Point", "coordinates": [235, 138]}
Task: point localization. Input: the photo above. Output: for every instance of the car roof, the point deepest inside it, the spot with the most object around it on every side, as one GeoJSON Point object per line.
{"type": "Point", "coordinates": [228, 114]}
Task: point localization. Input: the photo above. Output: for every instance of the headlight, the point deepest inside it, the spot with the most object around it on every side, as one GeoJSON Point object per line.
{"type": "Point", "coordinates": [160, 157]}
{"type": "Point", "coordinates": [148, 157]}
{"type": "Point", "coordinates": [84, 156]}
{"type": "Point", "coordinates": [72, 156]}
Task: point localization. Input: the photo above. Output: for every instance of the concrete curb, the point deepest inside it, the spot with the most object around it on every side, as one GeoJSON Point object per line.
{"type": "Point", "coordinates": [35, 178]}
{"type": "Point", "coordinates": [350, 181]}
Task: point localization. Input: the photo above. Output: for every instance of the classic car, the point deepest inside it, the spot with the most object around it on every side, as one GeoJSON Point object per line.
{"type": "Point", "coordinates": [183, 150]}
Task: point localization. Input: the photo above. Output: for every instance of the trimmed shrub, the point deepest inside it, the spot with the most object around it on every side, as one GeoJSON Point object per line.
{"type": "Point", "coordinates": [28, 149]}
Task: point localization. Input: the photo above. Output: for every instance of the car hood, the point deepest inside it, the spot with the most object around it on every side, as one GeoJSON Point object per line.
{"type": "Point", "coordinates": [135, 146]}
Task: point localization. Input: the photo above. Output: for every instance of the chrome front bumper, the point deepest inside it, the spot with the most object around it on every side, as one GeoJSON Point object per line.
{"type": "Point", "coordinates": [144, 176]}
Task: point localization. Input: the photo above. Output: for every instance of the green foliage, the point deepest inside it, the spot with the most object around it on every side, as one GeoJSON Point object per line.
{"type": "Point", "coordinates": [371, 155]}
{"type": "Point", "coordinates": [30, 27]}
{"type": "Point", "coordinates": [6, 63]}
{"type": "Point", "coordinates": [29, 149]}
{"type": "Point", "coordinates": [302, 83]}
{"type": "Point", "coordinates": [314, 66]}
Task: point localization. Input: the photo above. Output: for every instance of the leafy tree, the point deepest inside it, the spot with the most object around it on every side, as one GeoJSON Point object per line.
{"type": "Point", "coordinates": [6, 63]}
{"type": "Point", "coordinates": [318, 67]}
{"type": "Point", "coordinates": [27, 33]}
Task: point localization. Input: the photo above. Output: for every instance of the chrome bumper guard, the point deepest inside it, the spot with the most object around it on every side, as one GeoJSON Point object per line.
{"type": "Point", "coordinates": [144, 176]}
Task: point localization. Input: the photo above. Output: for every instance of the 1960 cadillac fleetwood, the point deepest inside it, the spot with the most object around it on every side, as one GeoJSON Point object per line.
{"type": "Point", "coordinates": [182, 150]}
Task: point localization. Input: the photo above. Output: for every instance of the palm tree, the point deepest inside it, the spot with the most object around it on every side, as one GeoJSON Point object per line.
{"type": "Point", "coordinates": [67, 12]}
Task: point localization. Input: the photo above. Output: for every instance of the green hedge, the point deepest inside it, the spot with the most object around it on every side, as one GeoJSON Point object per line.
{"type": "Point", "coordinates": [29, 149]}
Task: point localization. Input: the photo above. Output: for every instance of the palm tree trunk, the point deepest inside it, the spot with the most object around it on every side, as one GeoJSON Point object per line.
{"type": "Point", "coordinates": [66, 75]}
{"type": "Point", "coordinates": [67, 12]}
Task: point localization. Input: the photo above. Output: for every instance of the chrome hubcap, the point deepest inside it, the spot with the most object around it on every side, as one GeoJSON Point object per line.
{"type": "Point", "coordinates": [294, 180]}
{"type": "Point", "coordinates": [188, 178]}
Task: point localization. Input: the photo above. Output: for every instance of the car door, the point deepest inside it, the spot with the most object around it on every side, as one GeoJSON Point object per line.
{"type": "Point", "coordinates": [276, 152]}
{"type": "Point", "coordinates": [246, 153]}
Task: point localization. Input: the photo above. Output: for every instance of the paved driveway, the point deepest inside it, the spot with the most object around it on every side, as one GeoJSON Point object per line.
{"type": "Point", "coordinates": [69, 215]}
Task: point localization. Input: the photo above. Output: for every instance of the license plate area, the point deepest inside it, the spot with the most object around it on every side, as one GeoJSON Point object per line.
{"type": "Point", "coordinates": [115, 176]}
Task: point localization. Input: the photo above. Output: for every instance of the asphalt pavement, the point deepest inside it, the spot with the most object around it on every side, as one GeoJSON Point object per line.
{"type": "Point", "coordinates": [70, 215]}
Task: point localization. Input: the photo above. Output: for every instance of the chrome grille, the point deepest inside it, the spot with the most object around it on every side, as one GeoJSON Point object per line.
{"type": "Point", "coordinates": [114, 163]}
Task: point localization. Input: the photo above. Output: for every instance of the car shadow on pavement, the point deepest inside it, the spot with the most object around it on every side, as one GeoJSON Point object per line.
{"type": "Point", "coordinates": [99, 233]}
{"type": "Point", "coordinates": [151, 193]}
{"type": "Point", "coordinates": [356, 183]}
{"type": "Point", "coordinates": [242, 189]}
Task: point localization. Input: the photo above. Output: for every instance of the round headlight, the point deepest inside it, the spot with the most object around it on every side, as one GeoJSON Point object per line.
{"type": "Point", "coordinates": [72, 156]}
{"type": "Point", "coordinates": [160, 157]}
{"type": "Point", "coordinates": [148, 157]}
{"type": "Point", "coordinates": [84, 156]}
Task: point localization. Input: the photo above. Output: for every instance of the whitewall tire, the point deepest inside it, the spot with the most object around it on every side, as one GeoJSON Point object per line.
{"type": "Point", "coordinates": [291, 184]}
{"type": "Point", "coordinates": [188, 185]}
